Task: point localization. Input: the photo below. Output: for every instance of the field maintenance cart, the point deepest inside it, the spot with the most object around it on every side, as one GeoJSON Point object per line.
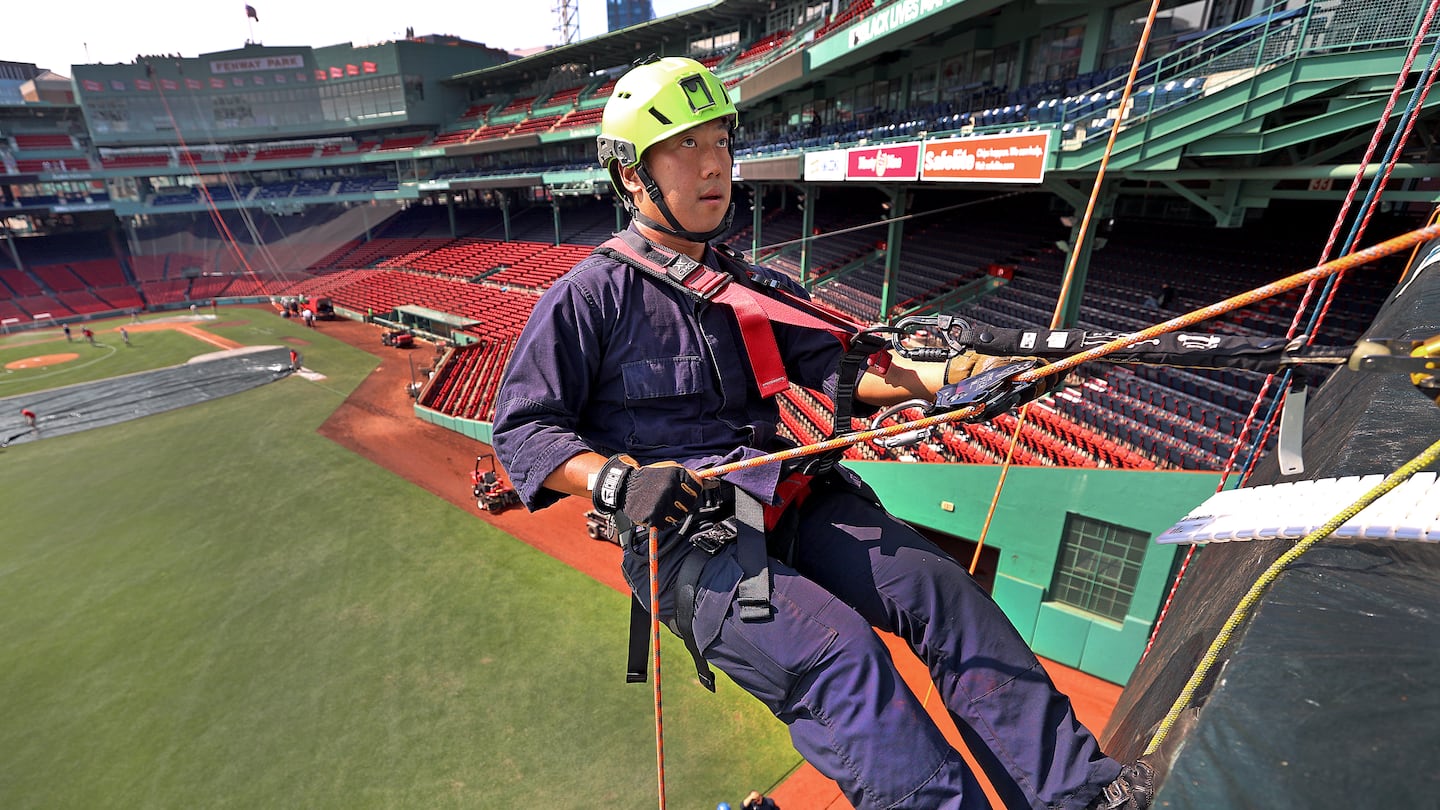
{"type": "Point", "coordinates": [600, 527]}
{"type": "Point", "coordinates": [399, 338]}
{"type": "Point", "coordinates": [491, 494]}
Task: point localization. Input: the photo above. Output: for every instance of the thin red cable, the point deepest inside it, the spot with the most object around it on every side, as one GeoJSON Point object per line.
{"type": "Point", "coordinates": [214, 210]}
{"type": "Point", "coordinates": [1305, 301]}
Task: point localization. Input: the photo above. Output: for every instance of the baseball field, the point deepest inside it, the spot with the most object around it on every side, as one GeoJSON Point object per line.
{"type": "Point", "coordinates": [218, 606]}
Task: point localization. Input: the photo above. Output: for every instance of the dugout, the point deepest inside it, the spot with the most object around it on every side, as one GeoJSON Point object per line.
{"type": "Point", "coordinates": [437, 324]}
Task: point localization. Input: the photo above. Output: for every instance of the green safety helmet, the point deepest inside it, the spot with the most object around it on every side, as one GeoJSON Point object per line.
{"type": "Point", "coordinates": [656, 99]}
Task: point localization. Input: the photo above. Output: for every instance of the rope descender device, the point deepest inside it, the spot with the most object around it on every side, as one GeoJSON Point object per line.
{"type": "Point", "coordinates": [993, 392]}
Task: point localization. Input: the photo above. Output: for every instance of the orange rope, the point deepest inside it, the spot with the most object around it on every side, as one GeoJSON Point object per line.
{"type": "Point", "coordinates": [1069, 277]}
{"type": "Point", "coordinates": [1105, 162]}
{"type": "Point", "coordinates": [655, 652]}
{"type": "Point", "coordinates": [1338, 265]}
{"type": "Point", "coordinates": [999, 486]}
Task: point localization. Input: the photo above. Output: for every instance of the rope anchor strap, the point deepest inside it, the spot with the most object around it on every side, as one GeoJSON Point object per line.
{"type": "Point", "coordinates": [1244, 299]}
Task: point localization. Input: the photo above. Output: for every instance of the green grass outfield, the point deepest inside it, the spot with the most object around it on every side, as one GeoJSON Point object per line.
{"type": "Point", "coordinates": [217, 607]}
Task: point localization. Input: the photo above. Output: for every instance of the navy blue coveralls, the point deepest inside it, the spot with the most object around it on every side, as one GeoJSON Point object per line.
{"type": "Point", "coordinates": [615, 361]}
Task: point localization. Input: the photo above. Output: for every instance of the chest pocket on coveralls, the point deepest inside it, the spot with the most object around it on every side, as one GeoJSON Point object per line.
{"type": "Point", "coordinates": [658, 396]}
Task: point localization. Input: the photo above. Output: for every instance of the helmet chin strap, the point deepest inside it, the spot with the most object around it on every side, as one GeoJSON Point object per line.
{"type": "Point", "coordinates": [652, 189]}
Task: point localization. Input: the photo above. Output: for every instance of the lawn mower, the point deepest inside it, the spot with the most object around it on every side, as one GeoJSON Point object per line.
{"type": "Point", "coordinates": [491, 494]}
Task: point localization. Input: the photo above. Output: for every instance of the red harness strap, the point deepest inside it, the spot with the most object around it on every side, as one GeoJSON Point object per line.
{"type": "Point", "coordinates": [792, 490]}
{"type": "Point", "coordinates": [755, 311]}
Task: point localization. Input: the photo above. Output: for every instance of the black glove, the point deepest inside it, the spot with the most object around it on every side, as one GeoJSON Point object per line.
{"type": "Point", "coordinates": [661, 495]}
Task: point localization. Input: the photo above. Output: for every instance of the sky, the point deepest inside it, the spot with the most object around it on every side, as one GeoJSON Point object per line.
{"type": "Point", "coordinates": [55, 34]}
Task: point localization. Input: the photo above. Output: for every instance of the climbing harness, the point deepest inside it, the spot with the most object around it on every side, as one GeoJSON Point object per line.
{"type": "Point", "coordinates": [732, 514]}
{"type": "Point", "coordinates": [754, 310]}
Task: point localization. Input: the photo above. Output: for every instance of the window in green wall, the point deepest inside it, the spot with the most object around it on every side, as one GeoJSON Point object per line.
{"type": "Point", "coordinates": [1099, 566]}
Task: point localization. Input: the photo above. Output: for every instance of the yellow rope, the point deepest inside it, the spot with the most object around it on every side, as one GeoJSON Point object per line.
{"type": "Point", "coordinates": [1425, 459]}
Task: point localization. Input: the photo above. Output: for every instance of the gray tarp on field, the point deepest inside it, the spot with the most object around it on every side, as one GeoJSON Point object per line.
{"type": "Point", "coordinates": [107, 402]}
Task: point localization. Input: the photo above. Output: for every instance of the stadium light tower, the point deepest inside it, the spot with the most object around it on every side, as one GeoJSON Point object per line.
{"type": "Point", "coordinates": [567, 16]}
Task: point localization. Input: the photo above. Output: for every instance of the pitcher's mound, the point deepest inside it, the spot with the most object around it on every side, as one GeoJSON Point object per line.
{"type": "Point", "coordinates": [41, 361]}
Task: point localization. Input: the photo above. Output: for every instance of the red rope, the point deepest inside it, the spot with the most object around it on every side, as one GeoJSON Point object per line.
{"type": "Point", "coordinates": [1310, 291]}
{"type": "Point", "coordinates": [214, 210]}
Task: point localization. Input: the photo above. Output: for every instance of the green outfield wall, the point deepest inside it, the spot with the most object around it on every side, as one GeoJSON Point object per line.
{"type": "Point", "coordinates": [1027, 530]}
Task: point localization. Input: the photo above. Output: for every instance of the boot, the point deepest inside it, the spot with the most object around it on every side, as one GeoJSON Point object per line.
{"type": "Point", "coordinates": [1133, 789]}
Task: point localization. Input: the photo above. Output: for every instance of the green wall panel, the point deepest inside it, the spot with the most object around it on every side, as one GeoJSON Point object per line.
{"type": "Point", "coordinates": [1061, 634]}
{"type": "Point", "coordinates": [1112, 651]}
{"type": "Point", "coordinates": [1026, 530]}
{"type": "Point", "coordinates": [1020, 601]}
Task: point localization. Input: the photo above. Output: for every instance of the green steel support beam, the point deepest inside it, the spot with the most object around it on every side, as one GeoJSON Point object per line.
{"type": "Point", "coordinates": [505, 213]}
{"type": "Point", "coordinates": [1076, 198]}
{"type": "Point", "coordinates": [1069, 303]}
{"type": "Point", "coordinates": [894, 233]}
{"type": "Point", "coordinates": [1195, 199]}
{"type": "Point", "coordinates": [450, 212]}
{"type": "Point", "coordinates": [807, 227]}
{"type": "Point", "coordinates": [555, 214]}
{"type": "Point", "coordinates": [755, 220]}
{"type": "Point", "coordinates": [1351, 114]}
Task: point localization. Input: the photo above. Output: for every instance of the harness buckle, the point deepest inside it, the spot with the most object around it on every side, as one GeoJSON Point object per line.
{"type": "Point", "coordinates": [716, 536]}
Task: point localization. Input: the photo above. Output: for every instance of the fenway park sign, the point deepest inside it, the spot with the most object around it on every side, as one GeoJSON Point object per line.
{"type": "Point", "coordinates": [294, 62]}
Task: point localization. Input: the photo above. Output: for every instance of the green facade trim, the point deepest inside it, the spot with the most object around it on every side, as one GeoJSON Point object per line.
{"type": "Point", "coordinates": [1027, 530]}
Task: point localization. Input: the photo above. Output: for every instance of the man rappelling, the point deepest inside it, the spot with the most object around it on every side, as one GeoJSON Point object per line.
{"type": "Point", "coordinates": [660, 356]}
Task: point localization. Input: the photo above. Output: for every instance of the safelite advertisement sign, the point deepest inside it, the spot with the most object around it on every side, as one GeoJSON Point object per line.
{"type": "Point", "coordinates": [1015, 158]}
{"type": "Point", "coordinates": [893, 161]}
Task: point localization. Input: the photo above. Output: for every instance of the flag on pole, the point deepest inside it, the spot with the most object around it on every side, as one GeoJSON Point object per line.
{"type": "Point", "coordinates": [250, 12]}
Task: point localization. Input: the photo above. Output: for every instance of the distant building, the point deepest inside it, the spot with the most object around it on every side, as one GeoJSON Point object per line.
{"type": "Point", "coordinates": [12, 76]}
{"type": "Point", "coordinates": [625, 13]}
{"type": "Point", "coordinates": [18, 71]}
{"type": "Point", "coordinates": [48, 87]}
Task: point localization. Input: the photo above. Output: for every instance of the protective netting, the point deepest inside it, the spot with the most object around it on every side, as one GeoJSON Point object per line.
{"type": "Point", "coordinates": [74, 408]}
{"type": "Point", "coordinates": [1327, 697]}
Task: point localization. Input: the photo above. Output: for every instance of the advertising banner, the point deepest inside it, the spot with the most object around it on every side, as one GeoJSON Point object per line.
{"type": "Point", "coordinates": [1010, 158]}
{"type": "Point", "coordinates": [893, 161]}
{"type": "Point", "coordinates": [825, 164]}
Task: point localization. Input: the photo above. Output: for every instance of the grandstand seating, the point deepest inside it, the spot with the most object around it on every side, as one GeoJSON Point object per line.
{"type": "Point", "coordinates": [453, 136]}
{"type": "Point", "coordinates": [58, 277]}
{"type": "Point", "coordinates": [537, 124]}
{"type": "Point", "coordinates": [604, 89]}
{"type": "Point", "coordinates": [402, 142]}
{"type": "Point", "coordinates": [760, 49]}
{"type": "Point", "coordinates": [135, 161]}
{"type": "Point", "coordinates": [566, 97]}
{"type": "Point", "coordinates": [19, 283]}
{"type": "Point", "coordinates": [518, 105]}
{"type": "Point", "coordinates": [853, 11]}
{"type": "Point", "coordinates": [281, 152]}
{"type": "Point", "coordinates": [37, 140]}
{"type": "Point", "coordinates": [581, 118]}
{"type": "Point", "coordinates": [52, 165]}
